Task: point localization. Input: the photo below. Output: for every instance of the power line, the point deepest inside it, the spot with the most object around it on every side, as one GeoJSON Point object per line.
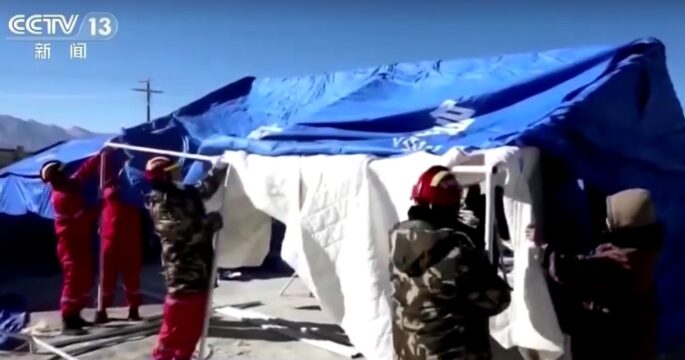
{"type": "Point", "coordinates": [148, 91]}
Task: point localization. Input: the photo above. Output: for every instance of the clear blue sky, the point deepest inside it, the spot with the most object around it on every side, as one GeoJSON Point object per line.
{"type": "Point", "coordinates": [192, 47]}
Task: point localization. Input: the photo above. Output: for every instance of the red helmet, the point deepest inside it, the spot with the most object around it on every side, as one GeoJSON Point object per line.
{"type": "Point", "coordinates": [158, 168]}
{"type": "Point", "coordinates": [437, 186]}
{"type": "Point", "coordinates": [47, 171]}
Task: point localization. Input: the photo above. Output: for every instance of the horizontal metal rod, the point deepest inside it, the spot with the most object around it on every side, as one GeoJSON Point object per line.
{"type": "Point", "coordinates": [263, 321]}
{"type": "Point", "coordinates": [160, 152]}
{"type": "Point", "coordinates": [150, 323]}
{"type": "Point", "coordinates": [472, 169]}
{"type": "Point", "coordinates": [477, 169]}
{"type": "Point", "coordinates": [103, 343]}
{"type": "Point", "coordinates": [40, 343]}
{"type": "Point", "coordinates": [52, 349]}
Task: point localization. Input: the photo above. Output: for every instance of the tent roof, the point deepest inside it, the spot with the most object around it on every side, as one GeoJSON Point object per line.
{"type": "Point", "coordinates": [66, 151]}
{"type": "Point", "coordinates": [22, 191]}
{"type": "Point", "coordinates": [386, 110]}
{"type": "Point", "coordinates": [558, 100]}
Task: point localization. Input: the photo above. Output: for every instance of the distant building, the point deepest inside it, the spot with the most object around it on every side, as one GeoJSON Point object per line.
{"type": "Point", "coordinates": [10, 156]}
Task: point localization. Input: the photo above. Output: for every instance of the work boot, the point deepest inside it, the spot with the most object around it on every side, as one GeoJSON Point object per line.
{"type": "Point", "coordinates": [82, 322]}
{"type": "Point", "coordinates": [101, 317]}
{"type": "Point", "coordinates": [71, 326]}
{"type": "Point", "coordinates": [133, 314]}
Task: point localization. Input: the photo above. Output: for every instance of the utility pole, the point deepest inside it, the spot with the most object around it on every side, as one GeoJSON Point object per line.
{"type": "Point", "coordinates": [148, 92]}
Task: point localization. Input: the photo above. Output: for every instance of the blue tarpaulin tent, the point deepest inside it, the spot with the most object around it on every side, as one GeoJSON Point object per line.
{"type": "Point", "coordinates": [28, 241]}
{"type": "Point", "coordinates": [22, 191]}
{"type": "Point", "coordinates": [611, 113]}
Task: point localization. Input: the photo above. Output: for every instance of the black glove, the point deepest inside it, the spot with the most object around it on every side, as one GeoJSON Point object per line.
{"type": "Point", "coordinates": [602, 272]}
{"type": "Point", "coordinates": [214, 221]}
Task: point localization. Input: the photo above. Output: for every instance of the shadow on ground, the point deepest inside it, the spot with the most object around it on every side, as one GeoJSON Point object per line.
{"type": "Point", "coordinates": [42, 293]}
{"type": "Point", "coordinates": [266, 330]}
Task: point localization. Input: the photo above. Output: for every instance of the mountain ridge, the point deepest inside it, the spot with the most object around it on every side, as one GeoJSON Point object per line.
{"type": "Point", "coordinates": [34, 135]}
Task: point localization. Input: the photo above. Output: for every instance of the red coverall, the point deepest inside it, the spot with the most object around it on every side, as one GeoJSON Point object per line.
{"type": "Point", "coordinates": [182, 327]}
{"type": "Point", "coordinates": [74, 226]}
{"type": "Point", "coordinates": [120, 231]}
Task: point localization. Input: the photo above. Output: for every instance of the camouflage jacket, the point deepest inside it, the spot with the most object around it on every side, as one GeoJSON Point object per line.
{"type": "Point", "coordinates": [444, 291]}
{"type": "Point", "coordinates": [186, 231]}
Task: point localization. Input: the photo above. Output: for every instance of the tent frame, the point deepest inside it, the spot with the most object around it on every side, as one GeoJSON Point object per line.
{"type": "Point", "coordinates": [488, 170]}
{"type": "Point", "coordinates": [494, 174]}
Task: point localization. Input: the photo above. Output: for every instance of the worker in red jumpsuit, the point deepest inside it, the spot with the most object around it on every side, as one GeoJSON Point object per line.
{"type": "Point", "coordinates": [75, 222]}
{"type": "Point", "coordinates": [186, 231]}
{"type": "Point", "coordinates": [121, 239]}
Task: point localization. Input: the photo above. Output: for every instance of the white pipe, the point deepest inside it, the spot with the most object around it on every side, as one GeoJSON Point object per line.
{"type": "Point", "coordinates": [102, 247]}
{"type": "Point", "coordinates": [161, 152]}
{"type": "Point", "coordinates": [52, 349]}
{"type": "Point", "coordinates": [41, 343]}
{"type": "Point", "coordinates": [212, 278]}
{"type": "Point", "coordinates": [472, 169]}
{"type": "Point", "coordinates": [489, 216]}
{"type": "Point", "coordinates": [287, 284]}
{"type": "Point", "coordinates": [487, 170]}
{"type": "Point", "coordinates": [258, 319]}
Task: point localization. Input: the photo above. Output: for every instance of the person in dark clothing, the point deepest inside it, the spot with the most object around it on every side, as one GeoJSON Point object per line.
{"type": "Point", "coordinates": [75, 222]}
{"type": "Point", "coordinates": [185, 230]}
{"type": "Point", "coordinates": [615, 316]}
{"type": "Point", "coordinates": [444, 288]}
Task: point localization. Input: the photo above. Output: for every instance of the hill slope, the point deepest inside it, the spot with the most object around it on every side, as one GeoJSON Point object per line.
{"type": "Point", "coordinates": [33, 135]}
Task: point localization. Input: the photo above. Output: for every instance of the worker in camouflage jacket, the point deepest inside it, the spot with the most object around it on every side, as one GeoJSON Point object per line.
{"type": "Point", "coordinates": [186, 231]}
{"type": "Point", "coordinates": [444, 288]}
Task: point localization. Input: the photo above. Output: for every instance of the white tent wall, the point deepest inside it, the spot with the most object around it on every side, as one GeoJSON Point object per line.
{"type": "Point", "coordinates": [530, 323]}
{"type": "Point", "coordinates": [250, 227]}
{"type": "Point", "coordinates": [338, 210]}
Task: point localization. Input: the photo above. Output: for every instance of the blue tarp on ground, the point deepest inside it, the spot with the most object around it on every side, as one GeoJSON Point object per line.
{"type": "Point", "coordinates": [610, 112]}
{"type": "Point", "coordinates": [14, 317]}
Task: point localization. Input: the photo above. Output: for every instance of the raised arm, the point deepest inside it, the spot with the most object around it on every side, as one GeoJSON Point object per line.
{"type": "Point", "coordinates": [87, 170]}
{"type": "Point", "coordinates": [113, 166]}
{"type": "Point", "coordinates": [211, 182]}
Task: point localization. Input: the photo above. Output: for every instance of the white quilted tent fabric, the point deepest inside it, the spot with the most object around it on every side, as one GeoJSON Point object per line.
{"type": "Point", "coordinates": [338, 210]}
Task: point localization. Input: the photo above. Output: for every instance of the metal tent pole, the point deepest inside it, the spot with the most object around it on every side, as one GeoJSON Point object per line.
{"type": "Point", "coordinates": [101, 250]}
{"type": "Point", "coordinates": [209, 311]}
{"type": "Point", "coordinates": [488, 171]}
{"type": "Point", "coordinates": [160, 152]}
{"type": "Point", "coordinates": [33, 339]}
{"type": "Point", "coordinates": [287, 284]}
{"type": "Point", "coordinates": [489, 216]}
